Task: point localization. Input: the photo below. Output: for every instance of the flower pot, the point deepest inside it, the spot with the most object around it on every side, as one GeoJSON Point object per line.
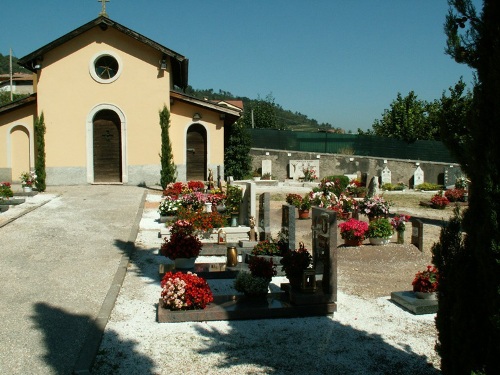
{"type": "Point", "coordinates": [426, 295]}
{"type": "Point", "coordinates": [379, 241]}
{"type": "Point", "coordinates": [303, 214]}
{"type": "Point", "coordinates": [357, 242]}
{"type": "Point", "coordinates": [184, 263]}
{"type": "Point", "coordinates": [234, 219]}
{"type": "Point", "coordinates": [27, 189]}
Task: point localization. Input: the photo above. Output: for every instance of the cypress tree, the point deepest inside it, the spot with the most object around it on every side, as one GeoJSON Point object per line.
{"type": "Point", "coordinates": [468, 319]}
{"type": "Point", "coordinates": [237, 159]}
{"type": "Point", "coordinates": [39, 126]}
{"type": "Point", "coordinates": [168, 170]}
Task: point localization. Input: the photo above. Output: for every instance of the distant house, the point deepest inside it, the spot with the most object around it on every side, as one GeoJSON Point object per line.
{"type": "Point", "coordinates": [100, 88]}
{"type": "Point", "coordinates": [22, 83]}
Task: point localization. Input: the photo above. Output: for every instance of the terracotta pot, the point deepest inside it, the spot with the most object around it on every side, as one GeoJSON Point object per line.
{"type": "Point", "coordinates": [303, 214]}
{"type": "Point", "coordinates": [353, 242]}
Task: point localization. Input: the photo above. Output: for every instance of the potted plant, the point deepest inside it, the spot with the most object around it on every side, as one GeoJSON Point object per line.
{"type": "Point", "coordinates": [256, 282]}
{"type": "Point", "coordinates": [304, 207]}
{"type": "Point", "coordinates": [294, 263]}
{"type": "Point", "coordinates": [439, 202]}
{"type": "Point", "coordinates": [202, 222]}
{"type": "Point", "coordinates": [234, 196]}
{"type": "Point", "coordinates": [425, 283]}
{"type": "Point", "coordinates": [5, 190]}
{"type": "Point", "coordinates": [379, 231]}
{"type": "Point", "coordinates": [374, 207]}
{"type": "Point", "coordinates": [267, 176]}
{"type": "Point", "coordinates": [344, 206]}
{"type": "Point", "coordinates": [256, 175]}
{"type": "Point", "coordinates": [183, 247]}
{"type": "Point", "coordinates": [28, 179]}
{"type": "Point", "coordinates": [294, 199]}
{"type": "Point", "coordinates": [398, 222]}
{"type": "Point", "coordinates": [185, 291]}
{"type": "Point", "coordinates": [168, 207]}
{"type": "Point", "coordinates": [353, 232]}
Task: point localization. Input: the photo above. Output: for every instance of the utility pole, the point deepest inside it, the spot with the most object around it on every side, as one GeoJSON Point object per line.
{"type": "Point", "coordinates": [10, 75]}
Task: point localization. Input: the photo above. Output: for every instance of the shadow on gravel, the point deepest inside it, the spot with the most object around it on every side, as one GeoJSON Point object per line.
{"type": "Point", "coordinates": [64, 334]}
{"type": "Point", "coordinates": [317, 345]}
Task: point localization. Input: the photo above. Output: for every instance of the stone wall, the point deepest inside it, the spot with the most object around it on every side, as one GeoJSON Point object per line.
{"type": "Point", "coordinates": [364, 167]}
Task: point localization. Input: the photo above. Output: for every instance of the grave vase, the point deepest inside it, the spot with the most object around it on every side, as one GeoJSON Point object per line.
{"type": "Point", "coordinates": [184, 263]}
{"type": "Point", "coordinates": [401, 237]}
{"type": "Point", "coordinates": [426, 295]}
{"type": "Point", "coordinates": [27, 189]}
{"type": "Point", "coordinates": [379, 241]}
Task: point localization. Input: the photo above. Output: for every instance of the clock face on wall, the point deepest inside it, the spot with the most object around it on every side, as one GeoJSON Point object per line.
{"type": "Point", "coordinates": [106, 67]}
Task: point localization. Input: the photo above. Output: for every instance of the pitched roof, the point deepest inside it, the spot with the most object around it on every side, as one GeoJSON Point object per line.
{"type": "Point", "coordinates": [230, 114]}
{"type": "Point", "coordinates": [179, 62]}
{"type": "Point", "coordinates": [18, 104]}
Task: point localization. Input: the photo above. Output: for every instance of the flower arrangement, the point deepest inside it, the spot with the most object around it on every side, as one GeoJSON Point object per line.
{"type": "Point", "coordinates": [182, 243]}
{"type": "Point", "coordinates": [379, 228]}
{"type": "Point", "coordinates": [344, 205]}
{"type": "Point", "coordinates": [323, 199]}
{"type": "Point", "coordinates": [353, 186]}
{"type": "Point", "coordinates": [200, 220]}
{"type": "Point", "coordinates": [353, 229]}
{"type": "Point", "coordinates": [185, 291]}
{"type": "Point", "coordinates": [426, 281]}
{"type": "Point", "coordinates": [174, 189]}
{"type": "Point", "coordinates": [461, 182]}
{"type": "Point", "coordinates": [5, 190]}
{"type": "Point", "coordinates": [295, 262]}
{"type": "Point", "coordinates": [168, 206]}
{"type": "Point", "coordinates": [455, 195]}
{"type": "Point", "coordinates": [398, 222]}
{"type": "Point", "coordinates": [256, 282]}
{"type": "Point", "coordinates": [306, 203]}
{"type": "Point", "coordinates": [194, 200]}
{"type": "Point", "coordinates": [294, 199]}
{"type": "Point", "coordinates": [266, 247]}
{"type": "Point", "coordinates": [309, 174]}
{"type": "Point", "coordinates": [439, 201]}
{"type": "Point", "coordinates": [374, 206]}
{"type": "Point", "coordinates": [28, 179]}
{"type": "Point", "coordinates": [195, 186]}
{"type": "Point", "coordinates": [334, 184]}
{"type": "Point", "coordinates": [216, 197]}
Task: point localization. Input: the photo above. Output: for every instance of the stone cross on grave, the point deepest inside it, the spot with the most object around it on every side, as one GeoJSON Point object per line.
{"type": "Point", "coordinates": [103, 10]}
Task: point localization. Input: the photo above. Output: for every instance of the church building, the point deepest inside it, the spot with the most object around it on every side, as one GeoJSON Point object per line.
{"type": "Point", "coordinates": [100, 88]}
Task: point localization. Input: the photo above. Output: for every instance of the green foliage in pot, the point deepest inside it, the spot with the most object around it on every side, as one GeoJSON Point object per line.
{"type": "Point", "coordinates": [380, 228]}
{"type": "Point", "coordinates": [234, 198]}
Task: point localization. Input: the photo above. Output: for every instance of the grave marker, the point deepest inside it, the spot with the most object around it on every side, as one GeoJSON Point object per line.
{"type": "Point", "coordinates": [296, 168]}
{"type": "Point", "coordinates": [288, 225]}
{"type": "Point", "coordinates": [265, 216]}
{"type": "Point", "coordinates": [418, 176]}
{"type": "Point", "coordinates": [267, 167]}
{"type": "Point", "coordinates": [386, 176]}
{"type": "Point", "coordinates": [417, 233]}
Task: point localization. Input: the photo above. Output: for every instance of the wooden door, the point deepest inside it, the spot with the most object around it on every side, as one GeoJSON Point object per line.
{"type": "Point", "coordinates": [107, 147]}
{"type": "Point", "coordinates": [196, 153]}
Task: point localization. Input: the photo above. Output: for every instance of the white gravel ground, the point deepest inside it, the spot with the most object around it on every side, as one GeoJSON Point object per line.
{"type": "Point", "coordinates": [363, 337]}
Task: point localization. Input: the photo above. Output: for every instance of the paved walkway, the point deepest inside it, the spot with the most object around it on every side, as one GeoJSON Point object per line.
{"type": "Point", "coordinates": [58, 275]}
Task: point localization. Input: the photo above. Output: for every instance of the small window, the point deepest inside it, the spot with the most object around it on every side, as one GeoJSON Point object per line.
{"type": "Point", "coordinates": [105, 67]}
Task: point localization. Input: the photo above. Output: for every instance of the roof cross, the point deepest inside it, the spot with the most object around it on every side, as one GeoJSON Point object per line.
{"type": "Point", "coordinates": [103, 10]}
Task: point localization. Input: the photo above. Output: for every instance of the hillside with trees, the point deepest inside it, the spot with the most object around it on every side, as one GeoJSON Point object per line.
{"type": "Point", "coordinates": [5, 65]}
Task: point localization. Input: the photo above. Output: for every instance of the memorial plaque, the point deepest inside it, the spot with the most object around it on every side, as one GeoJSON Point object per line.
{"type": "Point", "coordinates": [418, 176]}
{"type": "Point", "coordinates": [296, 168]}
{"type": "Point", "coordinates": [386, 176]}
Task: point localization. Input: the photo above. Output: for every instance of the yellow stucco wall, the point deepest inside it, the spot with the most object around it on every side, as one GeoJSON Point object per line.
{"type": "Point", "coordinates": [182, 119]}
{"type": "Point", "coordinates": [139, 92]}
{"type": "Point", "coordinates": [16, 133]}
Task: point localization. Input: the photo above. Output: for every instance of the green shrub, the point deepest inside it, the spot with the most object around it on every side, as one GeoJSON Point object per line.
{"type": "Point", "coordinates": [427, 186]}
{"type": "Point", "coordinates": [379, 228]}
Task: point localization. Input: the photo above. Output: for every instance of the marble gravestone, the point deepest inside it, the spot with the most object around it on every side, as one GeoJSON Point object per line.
{"type": "Point", "coordinates": [267, 167]}
{"type": "Point", "coordinates": [386, 177]}
{"type": "Point", "coordinates": [296, 168]}
{"type": "Point", "coordinates": [418, 176]}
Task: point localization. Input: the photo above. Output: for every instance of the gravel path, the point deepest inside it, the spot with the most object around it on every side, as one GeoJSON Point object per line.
{"type": "Point", "coordinates": [368, 334]}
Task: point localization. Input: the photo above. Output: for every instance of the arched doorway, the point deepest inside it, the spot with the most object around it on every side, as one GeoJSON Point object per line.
{"type": "Point", "coordinates": [107, 152]}
{"type": "Point", "coordinates": [196, 153]}
{"type": "Point", "coordinates": [20, 151]}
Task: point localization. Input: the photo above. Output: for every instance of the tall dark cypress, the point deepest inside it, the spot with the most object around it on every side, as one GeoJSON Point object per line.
{"type": "Point", "coordinates": [41, 175]}
{"type": "Point", "coordinates": [168, 170]}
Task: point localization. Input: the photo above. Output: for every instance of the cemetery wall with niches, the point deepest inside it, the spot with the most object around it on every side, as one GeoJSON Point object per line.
{"type": "Point", "coordinates": [285, 165]}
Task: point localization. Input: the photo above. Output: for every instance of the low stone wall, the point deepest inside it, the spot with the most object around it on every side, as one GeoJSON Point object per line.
{"type": "Point", "coordinates": [364, 167]}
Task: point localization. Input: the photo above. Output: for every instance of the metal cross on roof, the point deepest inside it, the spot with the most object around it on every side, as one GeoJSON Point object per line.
{"type": "Point", "coordinates": [103, 10]}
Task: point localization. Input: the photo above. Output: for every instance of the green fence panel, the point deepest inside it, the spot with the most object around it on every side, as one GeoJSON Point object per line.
{"type": "Point", "coordinates": [362, 145]}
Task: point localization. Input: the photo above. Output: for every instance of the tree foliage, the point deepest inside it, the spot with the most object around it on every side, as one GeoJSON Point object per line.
{"type": "Point", "coordinates": [39, 126]}
{"type": "Point", "coordinates": [468, 320]}
{"type": "Point", "coordinates": [5, 65]}
{"type": "Point", "coordinates": [237, 159]}
{"type": "Point", "coordinates": [168, 171]}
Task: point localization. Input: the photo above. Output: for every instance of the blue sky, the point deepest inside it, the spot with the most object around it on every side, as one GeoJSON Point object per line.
{"type": "Point", "coordinates": [337, 61]}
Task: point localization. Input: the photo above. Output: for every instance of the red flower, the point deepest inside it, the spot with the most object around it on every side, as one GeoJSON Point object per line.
{"type": "Point", "coordinates": [185, 291]}
{"type": "Point", "coordinates": [426, 281]}
{"type": "Point", "coordinates": [261, 267]}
